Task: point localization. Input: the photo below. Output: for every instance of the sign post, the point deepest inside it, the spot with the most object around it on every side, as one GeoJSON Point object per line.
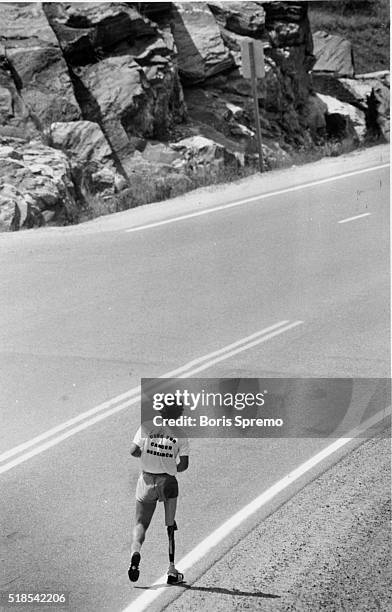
{"type": "Point", "coordinates": [253, 68]}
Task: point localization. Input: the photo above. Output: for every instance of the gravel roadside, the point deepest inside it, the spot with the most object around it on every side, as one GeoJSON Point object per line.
{"type": "Point", "coordinates": [328, 548]}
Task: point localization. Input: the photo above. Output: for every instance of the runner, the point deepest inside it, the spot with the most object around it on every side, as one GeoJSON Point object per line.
{"type": "Point", "coordinates": [163, 453]}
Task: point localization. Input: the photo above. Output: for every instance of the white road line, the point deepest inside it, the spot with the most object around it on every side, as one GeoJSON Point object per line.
{"type": "Point", "coordinates": [135, 391]}
{"type": "Point", "coordinates": [254, 199]}
{"type": "Point", "coordinates": [49, 439]}
{"type": "Point", "coordinates": [243, 347]}
{"type": "Point", "coordinates": [353, 218]}
{"type": "Point", "coordinates": [142, 602]}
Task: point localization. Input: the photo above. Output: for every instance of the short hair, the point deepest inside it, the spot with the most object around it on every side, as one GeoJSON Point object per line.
{"type": "Point", "coordinates": [172, 410]}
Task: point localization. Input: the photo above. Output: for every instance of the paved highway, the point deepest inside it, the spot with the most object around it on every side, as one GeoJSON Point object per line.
{"type": "Point", "coordinates": [87, 311]}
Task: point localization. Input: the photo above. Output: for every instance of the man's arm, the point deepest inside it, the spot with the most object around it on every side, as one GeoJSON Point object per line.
{"type": "Point", "coordinates": [137, 443]}
{"type": "Point", "coordinates": [183, 463]}
{"type": "Point", "coordinates": [135, 450]}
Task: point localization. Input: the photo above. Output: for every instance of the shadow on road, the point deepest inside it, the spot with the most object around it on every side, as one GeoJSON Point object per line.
{"type": "Point", "coordinates": [220, 590]}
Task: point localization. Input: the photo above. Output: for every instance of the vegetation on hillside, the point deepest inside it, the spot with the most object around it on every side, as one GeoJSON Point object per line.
{"type": "Point", "coordinates": [364, 22]}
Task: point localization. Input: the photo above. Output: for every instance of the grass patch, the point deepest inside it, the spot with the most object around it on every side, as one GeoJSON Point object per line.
{"type": "Point", "coordinates": [364, 23]}
{"type": "Point", "coordinates": [146, 189]}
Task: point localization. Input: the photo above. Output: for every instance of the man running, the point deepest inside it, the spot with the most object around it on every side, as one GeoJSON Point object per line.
{"type": "Point", "coordinates": [159, 448]}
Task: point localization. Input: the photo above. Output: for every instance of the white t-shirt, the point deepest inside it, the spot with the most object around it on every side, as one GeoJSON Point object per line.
{"type": "Point", "coordinates": [160, 448]}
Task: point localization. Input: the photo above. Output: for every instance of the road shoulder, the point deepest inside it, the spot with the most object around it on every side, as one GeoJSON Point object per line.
{"type": "Point", "coordinates": [327, 548]}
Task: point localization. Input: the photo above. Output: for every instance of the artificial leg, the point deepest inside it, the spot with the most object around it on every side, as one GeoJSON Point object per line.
{"type": "Point", "coordinates": [173, 575]}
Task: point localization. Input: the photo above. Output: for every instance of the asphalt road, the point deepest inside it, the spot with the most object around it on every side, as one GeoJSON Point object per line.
{"type": "Point", "coordinates": [85, 312]}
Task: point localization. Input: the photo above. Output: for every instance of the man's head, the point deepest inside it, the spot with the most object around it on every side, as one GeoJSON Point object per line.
{"type": "Point", "coordinates": [172, 411]}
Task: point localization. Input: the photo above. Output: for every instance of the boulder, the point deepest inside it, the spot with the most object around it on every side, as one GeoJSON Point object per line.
{"type": "Point", "coordinates": [334, 54]}
{"type": "Point", "coordinates": [237, 154]}
{"type": "Point", "coordinates": [381, 75]}
{"type": "Point", "coordinates": [340, 88]}
{"type": "Point", "coordinates": [17, 210]}
{"type": "Point", "coordinates": [83, 140]}
{"type": "Point", "coordinates": [369, 93]}
{"type": "Point", "coordinates": [128, 101]}
{"type": "Point", "coordinates": [378, 113]}
{"type": "Point", "coordinates": [9, 200]}
{"type": "Point", "coordinates": [160, 153]}
{"type": "Point", "coordinates": [35, 178]}
{"type": "Point", "coordinates": [343, 120]}
{"type": "Point", "coordinates": [246, 18]}
{"type": "Point", "coordinates": [193, 156]}
{"type": "Point", "coordinates": [93, 166]}
{"type": "Point", "coordinates": [359, 89]}
{"type": "Point", "coordinates": [15, 119]}
{"type": "Point", "coordinates": [6, 109]}
{"type": "Point", "coordinates": [198, 153]}
{"type": "Point", "coordinates": [225, 112]}
{"type": "Point", "coordinates": [201, 52]}
{"type": "Point", "coordinates": [152, 177]}
{"type": "Point", "coordinates": [33, 60]}
{"type": "Point", "coordinates": [86, 31]}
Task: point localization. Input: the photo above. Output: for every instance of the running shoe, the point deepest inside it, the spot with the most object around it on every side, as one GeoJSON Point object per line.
{"type": "Point", "coordinates": [133, 572]}
{"type": "Point", "coordinates": [175, 577]}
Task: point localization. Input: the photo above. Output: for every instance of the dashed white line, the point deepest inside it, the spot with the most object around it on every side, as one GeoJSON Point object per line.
{"type": "Point", "coordinates": [356, 217]}
{"type": "Point", "coordinates": [142, 602]}
{"type": "Point", "coordinates": [84, 420]}
{"type": "Point", "coordinates": [254, 199]}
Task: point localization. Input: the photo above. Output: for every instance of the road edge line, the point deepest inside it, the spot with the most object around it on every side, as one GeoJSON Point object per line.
{"type": "Point", "coordinates": [252, 199]}
{"type": "Point", "coordinates": [355, 217]}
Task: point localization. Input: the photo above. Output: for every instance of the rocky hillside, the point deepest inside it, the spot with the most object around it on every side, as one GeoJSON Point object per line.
{"type": "Point", "coordinates": [106, 106]}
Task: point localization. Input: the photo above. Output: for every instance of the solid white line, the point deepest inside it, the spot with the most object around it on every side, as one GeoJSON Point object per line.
{"type": "Point", "coordinates": [142, 602]}
{"type": "Point", "coordinates": [103, 411]}
{"type": "Point", "coordinates": [228, 347]}
{"type": "Point", "coordinates": [254, 199]}
{"type": "Point", "coordinates": [243, 347]}
{"type": "Point", "coordinates": [353, 218]}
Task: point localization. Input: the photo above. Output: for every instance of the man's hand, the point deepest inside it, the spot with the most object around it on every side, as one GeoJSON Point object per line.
{"type": "Point", "coordinates": [135, 450]}
{"type": "Point", "coordinates": [183, 464]}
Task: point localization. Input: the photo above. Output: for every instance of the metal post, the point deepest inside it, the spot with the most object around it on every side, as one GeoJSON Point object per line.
{"type": "Point", "coordinates": [253, 80]}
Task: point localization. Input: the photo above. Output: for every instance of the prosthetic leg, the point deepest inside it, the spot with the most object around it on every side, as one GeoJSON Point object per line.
{"type": "Point", "coordinates": [173, 575]}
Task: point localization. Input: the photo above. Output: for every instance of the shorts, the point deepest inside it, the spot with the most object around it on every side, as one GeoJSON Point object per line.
{"type": "Point", "coordinates": [156, 487]}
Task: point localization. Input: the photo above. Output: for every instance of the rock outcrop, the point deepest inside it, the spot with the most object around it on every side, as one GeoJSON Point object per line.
{"type": "Point", "coordinates": [122, 70]}
{"type": "Point", "coordinates": [284, 30]}
{"type": "Point", "coordinates": [201, 51]}
{"type": "Point", "coordinates": [35, 85]}
{"type": "Point", "coordinates": [87, 31]}
{"type": "Point", "coordinates": [91, 158]}
{"type": "Point", "coordinates": [368, 95]}
{"type": "Point", "coordinates": [106, 106]}
{"type": "Point", "coordinates": [371, 94]}
{"type": "Point", "coordinates": [245, 18]}
{"type": "Point", "coordinates": [357, 104]}
{"type": "Point", "coordinates": [36, 185]}
{"type": "Point", "coordinates": [343, 120]}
